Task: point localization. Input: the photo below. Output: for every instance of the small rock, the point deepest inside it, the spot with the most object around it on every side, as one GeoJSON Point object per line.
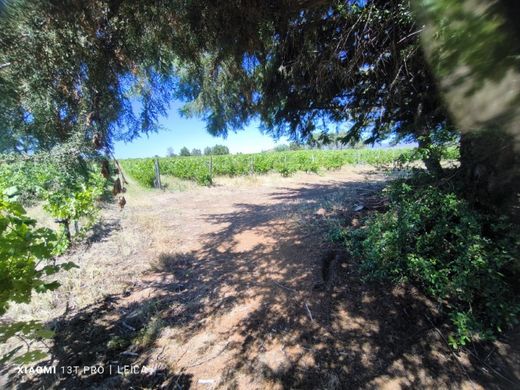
{"type": "Point", "coordinates": [321, 212]}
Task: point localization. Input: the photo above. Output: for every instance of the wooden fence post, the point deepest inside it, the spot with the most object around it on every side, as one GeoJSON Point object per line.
{"type": "Point", "coordinates": [157, 181]}
{"type": "Point", "coordinates": [211, 167]}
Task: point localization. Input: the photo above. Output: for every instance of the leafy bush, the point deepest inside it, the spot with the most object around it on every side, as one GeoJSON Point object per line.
{"type": "Point", "coordinates": [67, 194]}
{"type": "Point", "coordinates": [22, 245]}
{"type": "Point", "coordinates": [28, 178]}
{"type": "Point", "coordinates": [26, 251]}
{"type": "Point", "coordinates": [72, 199]}
{"type": "Point", "coordinates": [446, 152]}
{"type": "Point", "coordinates": [460, 258]}
{"type": "Point", "coordinates": [26, 260]}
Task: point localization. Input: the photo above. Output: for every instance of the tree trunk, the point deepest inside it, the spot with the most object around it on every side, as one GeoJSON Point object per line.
{"type": "Point", "coordinates": [491, 171]}
{"type": "Point", "coordinates": [433, 165]}
{"type": "Point", "coordinates": [432, 159]}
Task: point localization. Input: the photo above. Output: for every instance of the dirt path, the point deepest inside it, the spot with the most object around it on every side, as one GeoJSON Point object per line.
{"type": "Point", "coordinates": [244, 260]}
{"type": "Point", "coordinates": [223, 295]}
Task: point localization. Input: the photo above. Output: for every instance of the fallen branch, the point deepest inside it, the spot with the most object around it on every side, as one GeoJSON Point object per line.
{"type": "Point", "coordinates": [129, 353]}
{"type": "Point", "coordinates": [455, 357]}
{"type": "Point", "coordinates": [284, 287]}
{"type": "Point", "coordinates": [487, 366]}
{"type": "Point", "coordinates": [309, 312]}
{"type": "Point", "coordinates": [128, 326]}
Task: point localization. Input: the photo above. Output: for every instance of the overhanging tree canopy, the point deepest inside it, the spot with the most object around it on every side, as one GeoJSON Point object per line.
{"type": "Point", "coordinates": [320, 65]}
{"type": "Point", "coordinates": [73, 67]}
{"type": "Point", "coordinates": [73, 71]}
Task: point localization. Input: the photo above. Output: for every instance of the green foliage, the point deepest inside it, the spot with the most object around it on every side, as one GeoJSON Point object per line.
{"type": "Point", "coordinates": [22, 247]}
{"type": "Point", "coordinates": [26, 262]}
{"type": "Point", "coordinates": [445, 152]}
{"type": "Point", "coordinates": [28, 178]}
{"type": "Point", "coordinates": [295, 146]}
{"type": "Point", "coordinates": [66, 76]}
{"type": "Point", "coordinates": [184, 152]}
{"type": "Point", "coordinates": [281, 148]}
{"type": "Point", "coordinates": [217, 150]}
{"type": "Point", "coordinates": [68, 195]}
{"type": "Point", "coordinates": [76, 199]}
{"type": "Point", "coordinates": [309, 66]}
{"type": "Point", "coordinates": [32, 330]}
{"type": "Point", "coordinates": [285, 163]}
{"type": "Point", "coordinates": [432, 238]}
{"type": "Point", "coordinates": [451, 153]}
{"type": "Point", "coordinates": [141, 169]}
{"type": "Point", "coordinates": [296, 67]}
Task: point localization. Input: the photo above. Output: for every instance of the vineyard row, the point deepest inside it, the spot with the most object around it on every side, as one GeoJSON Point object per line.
{"type": "Point", "coordinates": [202, 169]}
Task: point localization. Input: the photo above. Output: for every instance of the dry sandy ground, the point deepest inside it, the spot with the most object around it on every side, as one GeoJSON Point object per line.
{"type": "Point", "coordinates": [215, 288]}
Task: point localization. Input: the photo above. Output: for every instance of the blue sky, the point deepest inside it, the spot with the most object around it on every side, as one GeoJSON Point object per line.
{"type": "Point", "coordinates": [179, 132]}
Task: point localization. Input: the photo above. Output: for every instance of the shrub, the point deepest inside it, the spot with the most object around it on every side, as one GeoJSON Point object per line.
{"type": "Point", "coordinates": [67, 194]}
{"type": "Point", "coordinates": [73, 198]}
{"type": "Point", "coordinates": [460, 258]}
{"type": "Point", "coordinates": [26, 262]}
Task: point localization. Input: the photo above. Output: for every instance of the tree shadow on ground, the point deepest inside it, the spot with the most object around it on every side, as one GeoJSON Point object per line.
{"type": "Point", "coordinates": [103, 230]}
{"type": "Point", "coordinates": [353, 335]}
{"type": "Point", "coordinates": [93, 349]}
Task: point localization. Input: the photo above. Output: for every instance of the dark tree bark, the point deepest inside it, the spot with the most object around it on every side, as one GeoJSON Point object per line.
{"type": "Point", "coordinates": [491, 171]}
{"type": "Point", "coordinates": [432, 160]}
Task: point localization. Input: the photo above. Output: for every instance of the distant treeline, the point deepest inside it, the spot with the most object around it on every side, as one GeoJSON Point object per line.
{"type": "Point", "coordinates": [217, 150]}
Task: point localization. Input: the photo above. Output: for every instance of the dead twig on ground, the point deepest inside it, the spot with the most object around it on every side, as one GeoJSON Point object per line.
{"type": "Point", "coordinates": [451, 351]}
{"type": "Point", "coordinates": [128, 326]}
{"type": "Point", "coordinates": [284, 287]}
{"type": "Point", "coordinates": [309, 312]}
{"type": "Point", "coordinates": [129, 353]}
{"type": "Point", "coordinates": [487, 366]}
